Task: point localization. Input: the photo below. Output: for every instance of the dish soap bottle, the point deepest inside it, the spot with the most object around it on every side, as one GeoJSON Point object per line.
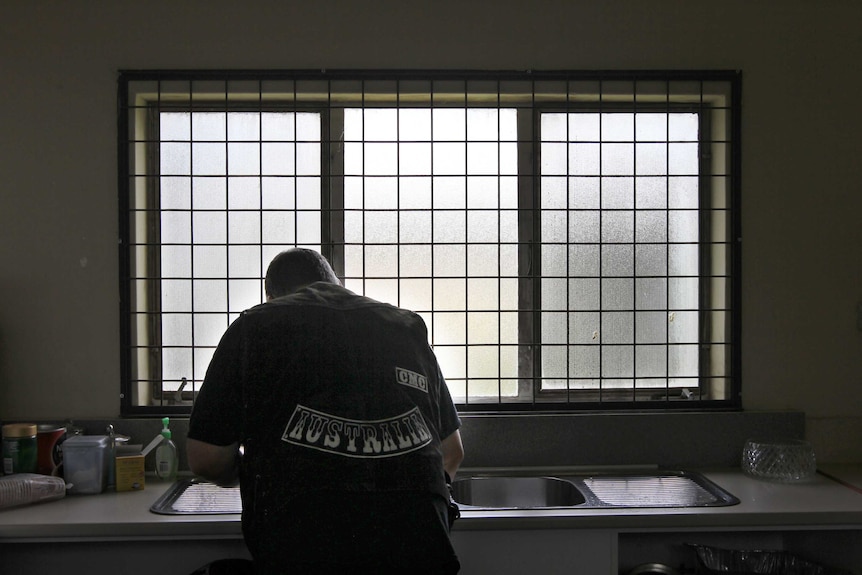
{"type": "Point", "coordinates": [166, 455]}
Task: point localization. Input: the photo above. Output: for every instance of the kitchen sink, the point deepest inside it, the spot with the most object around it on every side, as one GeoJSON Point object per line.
{"type": "Point", "coordinates": [591, 491]}
{"type": "Point", "coordinates": [516, 492]}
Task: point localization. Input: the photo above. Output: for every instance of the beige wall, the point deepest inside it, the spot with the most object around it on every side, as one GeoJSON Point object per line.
{"type": "Point", "coordinates": [802, 174]}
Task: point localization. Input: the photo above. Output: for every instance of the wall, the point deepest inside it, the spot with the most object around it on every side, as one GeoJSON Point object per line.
{"type": "Point", "coordinates": [802, 255]}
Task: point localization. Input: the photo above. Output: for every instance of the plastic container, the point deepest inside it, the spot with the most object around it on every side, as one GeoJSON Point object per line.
{"type": "Point", "coordinates": [24, 488]}
{"type": "Point", "coordinates": [167, 459]}
{"type": "Point", "coordinates": [85, 463]}
{"type": "Point", "coordinates": [714, 560]}
{"type": "Point", "coordinates": [20, 449]}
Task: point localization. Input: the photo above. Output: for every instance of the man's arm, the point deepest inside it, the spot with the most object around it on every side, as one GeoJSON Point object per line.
{"type": "Point", "coordinates": [216, 463]}
{"type": "Point", "coordinates": [453, 452]}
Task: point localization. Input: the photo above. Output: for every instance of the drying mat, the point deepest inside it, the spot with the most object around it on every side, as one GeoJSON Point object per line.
{"type": "Point", "coordinates": [196, 497]}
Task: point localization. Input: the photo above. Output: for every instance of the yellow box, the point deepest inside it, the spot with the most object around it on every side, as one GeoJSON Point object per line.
{"type": "Point", "coordinates": [130, 473]}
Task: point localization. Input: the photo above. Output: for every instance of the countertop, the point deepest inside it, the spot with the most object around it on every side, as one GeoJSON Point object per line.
{"type": "Point", "coordinates": [822, 502]}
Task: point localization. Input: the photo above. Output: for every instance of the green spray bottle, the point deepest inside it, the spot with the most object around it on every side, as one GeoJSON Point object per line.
{"type": "Point", "coordinates": [167, 459]}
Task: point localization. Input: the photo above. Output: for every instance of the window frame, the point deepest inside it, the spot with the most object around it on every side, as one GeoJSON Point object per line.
{"type": "Point", "coordinates": [529, 279]}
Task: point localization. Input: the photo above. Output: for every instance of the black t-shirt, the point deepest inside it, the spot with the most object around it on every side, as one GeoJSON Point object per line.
{"type": "Point", "coordinates": [341, 407]}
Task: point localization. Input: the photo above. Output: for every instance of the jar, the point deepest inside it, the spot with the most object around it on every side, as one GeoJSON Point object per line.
{"type": "Point", "coordinates": [19, 448]}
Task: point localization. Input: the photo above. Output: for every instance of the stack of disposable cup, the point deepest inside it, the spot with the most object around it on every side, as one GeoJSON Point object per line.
{"type": "Point", "coordinates": [24, 488]}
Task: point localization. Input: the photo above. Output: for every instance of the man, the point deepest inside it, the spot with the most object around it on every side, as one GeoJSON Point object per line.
{"type": "Point", "coordinates": [346, 424]}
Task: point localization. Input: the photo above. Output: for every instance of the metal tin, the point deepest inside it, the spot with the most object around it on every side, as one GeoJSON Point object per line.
{"type": "Point", "coordinates": [19, 448]}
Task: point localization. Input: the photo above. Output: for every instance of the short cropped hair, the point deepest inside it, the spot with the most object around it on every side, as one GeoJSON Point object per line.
{"type": "Point", "coordinates": [296, 268]}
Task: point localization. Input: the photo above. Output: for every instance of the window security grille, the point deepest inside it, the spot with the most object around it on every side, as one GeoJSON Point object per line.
{"type": "Point", "coordinates": [571, 239]}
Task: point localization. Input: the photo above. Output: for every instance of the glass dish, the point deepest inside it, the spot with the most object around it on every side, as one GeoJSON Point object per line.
{"type": "Point", "coordinates": [783, 460]}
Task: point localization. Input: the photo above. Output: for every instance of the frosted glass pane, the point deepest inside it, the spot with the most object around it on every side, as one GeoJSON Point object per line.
{"type": "Point", "coordinates": [682, 360]}
{"type": "Point", "coordinates": [449, 124]}
{"type": "Point", "coordinates": [509, 226]}
{"type": "Point", "coordinates": [415, 193]}
{"type": "Point", "coordinates": [651, 260]}
{"type": "Point", "coordinates": [450, 294]}
{"type": "Point", "coordinates": [242, 194]}
{"type": "Point", "coordinates": [482, 226]}
{"type": "Point", "coordinates": [210, 261]}
{"type": "Point", "coordinates": [176, 227]}
{"type": "Point", "coordinates": [381, 125]}
{"type": "Point", "coordinates": [278, 228]}
{"type": "Point", "coordinates": [210, 295]}
{"type": "Point", "coordinates": [415, 227]}
{"type": "Point", "coordinates": [452, 360]}
{"type": "Point", "coordinates": [554, 127]}
{"type": "Point", "coordinates": [554, 225]}
{"type": "Point", "coordinates": [449, 158]}
{"type": "Point", "coordinates": [175, 193]}
{"type": "Point", "coordinates": [416, 294]}
{"type": "Point", "coordinates": [176, 363]}
{"type": "Point", "coordinates": [618, 227]}
{"type": "Point", "coordinates": [353, 158]}
{"type": "Point", "coordinates": [381, 261]}
{"type": "Point", "coordinates": [449, 193]}
{"type": "Point", "coordinates": [308, 126]}
{"type": "Point", "coordinates": [617, 327]}
{"type": "Point", "coordinates": [584, 260]}
{"type": "Point", "coordinates": [554, 327]}
{"type": "Point", "coordinates": [553, 365]}
{"type": "Point", "coordinates": [617, 260]}
{"type": "Point", "coordinates": [208, 159]}
{"type": "Point", "coordinates": [381, 159]}
{"type": "Point", "coordinates": [508, 154]}
{"type": "Point", "coordinates": [414, 159]}
{"type": "Point", "coordinates": [450, 227]}
{"type": "Point", "coordinates": [482, 294]}
{"type": "Point", "coordinates": [584, 294]}
{"type": "Point", "coordinates": [509, 335]}
{"type": "Point", "coordinates": [353, 227]}
{"type": "Point", "coordinates": [617, 294]}
{"type": "Point", "coordinates": [382, 290]}
{"type": "Point", "coordinates": [353, 261]}
{"type": "Point", "coordinates": [278, 126]}
{"type": "Point", "coordinates": [244, 262]}
{"type": "Point", "coordinates": [651, 327]}
{"type": "Point", "coordinates": [209, 328]}
{"type": "Point", "coordinates": [308, 159]}
{"type": "Point", "coordinates": [554, 160]}
{"type": "Point", "coordinates": [584, 328]}
{"type": "Point", "coordinates": [208, 193]}
{"type": "Point", "coordinates": [554, 294]}
{"type": "Point", "coordinates": [617, 193]}
{"type": "Point", "coordinates": [209, 126]}
{"type": "Point", "coordinates": [584, 159]}
{"type": "Point", "coordinates": [176, 329]}
{"type": "Point", "coordinates": [650, 127]}
{"type": "Point", "coordinates": [482, 260]}
{"type": "Point", "coordinates": [583, 227]}
{"type": "Point", "coordinates": [209, 227]}
{"type": "Point", "coordinates": [278, 159]}
{"type": "Point", "coordinates": [585, 193]}
{"type": "Point", "coordinates": [176, 295]}
{"type": "Point", "coordinates": [176, 262]}
{"type": "Point", "coordinates": [482, 158]}
{"type": "Point", "coordinates": [243, 126]}
{"type": "Point", "coordinates": [618, 159]}
{"type": "Point", "coordinates": [684, 293]}
{"type": "Point", "coordinates": [651, 293]}
{"type": "Point", "coordinates": [683, 226]}
{"type": "Point", "coordinates": [651, 361]}
{"type": "Point", "coordinates": [682, 159]}
{"type": "Point", "coordinates": [651, 192]}
{"type": "Point", "coordinates": [307, 193]}
{"type": "Point", "coordinates": [482, 125]}
{"type": "Point", "coordinates": [509, 293]}
{"type": "Point", "coordinates": [554, 196]}
{"type": "Point", "coordinates": [415, 125]}
{"type": "Point", "coordinates": [175, 159]}
{"type": "Point", "coordinates": [651, 226]}
{"type": "Point", "coordinates": [554, 260]}
{"type": "Point", "coordinates": [683, 327]}
{"type": "Point", "coordinates": [381, 227]}
{"type": "Point", "coordinates": [202, 357]}
{"type": "Point", "coordinates": [175, 126]}
{"type": "Point", "coordinates": [483, 362]}
{"type": "Point", "coordinates": [483, 192]}
{"type": "Point", "coordinates": [244, 227]}
{"type": "Point", "coordinates": [683, 260]}
{"type": "Point", "coordinates": [381, 193]}
{"type": "Point", "coordinates": [683, 127]}
{"type": "Point", "coordinates": [683, 192]}
{"type": "Point", "coordinates": [618, 127]}
{"type": "Point", "coordinates": [415, 261]}
{"type": "Point", "coordinates": [482, 328]}
{"type": "Point", "coordinates": [583, 362]}
{"type": "Point", "coordinates": [450, 328]}
{"type": "Point", "coordinates": [308, 228]}
{"type": "Point", "coordinates": [618, 361]}
{"type": "Point", "coordinates": [651, 159]}
{"type": "Point", "coordinates": [584, 127]}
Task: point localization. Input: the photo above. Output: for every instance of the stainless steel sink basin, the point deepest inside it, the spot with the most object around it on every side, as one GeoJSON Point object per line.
{"type": "Point", "coordinates": [516, 492]}
{"type": "Point", "coordinates": [591, 491]}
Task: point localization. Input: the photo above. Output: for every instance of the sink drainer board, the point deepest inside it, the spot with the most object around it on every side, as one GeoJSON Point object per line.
{"type": "Point", "coordinates": [196, 497]}
{"type": "Point", "coordinates": [590, 491]}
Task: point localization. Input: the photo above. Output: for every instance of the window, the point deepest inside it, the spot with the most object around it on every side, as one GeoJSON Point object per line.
{"type": "Point", "coordinates": [571, 239]}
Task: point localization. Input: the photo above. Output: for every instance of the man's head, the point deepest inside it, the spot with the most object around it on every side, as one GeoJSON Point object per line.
{"type": "Point", "coordinates": [296, 268]}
